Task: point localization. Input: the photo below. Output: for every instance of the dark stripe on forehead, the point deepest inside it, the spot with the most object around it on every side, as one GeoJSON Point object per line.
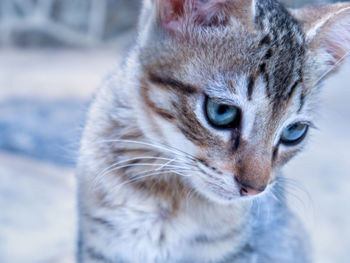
{"type": "Point", "coordinates": [302, 101]}
{"type": "Point", "coordinates": [266, 40]}
{"type": "Point", "coordinates": [263, 72]}
{"type": "Point", "coordinates": [172, 84]}
{"type": "Point", "coordinates": [268, 54]}
{"type": "Point", "coordinates": [282, 60]}
{"type": "Point", "coordinates": [292, 90]}
{"type": "Point", "coordinates": [251, 82]}
{"type": "Point", "coordinates": [287, 94]}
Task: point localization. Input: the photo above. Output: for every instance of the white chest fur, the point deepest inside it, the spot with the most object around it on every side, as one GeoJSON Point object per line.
{"type": "Point", "coordinates": [138, 229]}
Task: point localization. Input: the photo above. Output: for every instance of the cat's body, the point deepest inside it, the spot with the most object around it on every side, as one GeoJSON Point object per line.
{"type": "Point", "coordinates": [161, 181]}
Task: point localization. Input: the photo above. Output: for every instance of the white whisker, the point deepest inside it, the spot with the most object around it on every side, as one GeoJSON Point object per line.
{"type": "Point", "coordinates": [138, 164]}
{"type": "Point", "coordinates": [169, 162]}
{"type": "Point", "coordinates": [155, 145]}
{"type": "Point", "coordinates": [149, 175]}
{"type": "Point", "coordinates": [134, 159]}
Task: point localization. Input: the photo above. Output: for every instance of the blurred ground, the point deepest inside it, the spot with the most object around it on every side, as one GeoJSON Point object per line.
{"type": "Point", "coordinates": [37, 220]}
{"type": "Point", "coordinates": [37, 199]}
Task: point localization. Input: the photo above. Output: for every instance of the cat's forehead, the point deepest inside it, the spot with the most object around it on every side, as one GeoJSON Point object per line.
{"type": "Point", "coordinates": [274, 34]}
{"type": "Point", "coordinates": [272, 51]}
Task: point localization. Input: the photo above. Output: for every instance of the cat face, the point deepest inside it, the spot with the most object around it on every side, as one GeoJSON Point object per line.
{"type": "Point", "coordinates": [231, 86]}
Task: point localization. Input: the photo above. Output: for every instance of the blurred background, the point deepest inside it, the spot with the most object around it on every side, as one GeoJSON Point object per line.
{"type": "Point", "coordinates": [53, 55]}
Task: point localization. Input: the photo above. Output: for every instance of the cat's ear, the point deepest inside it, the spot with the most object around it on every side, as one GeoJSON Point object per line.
{"type": "Point", "coordinates": [178, 15]}
{"type": "Point", "coordinates": [327, 29]}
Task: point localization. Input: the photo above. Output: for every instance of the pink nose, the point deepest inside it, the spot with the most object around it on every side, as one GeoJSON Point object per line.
{"type": "Point", "coordinates": [247, 190]}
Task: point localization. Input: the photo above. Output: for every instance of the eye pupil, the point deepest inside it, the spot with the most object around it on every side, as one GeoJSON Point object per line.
{"type": "Point", "coordinates": [222, 109]}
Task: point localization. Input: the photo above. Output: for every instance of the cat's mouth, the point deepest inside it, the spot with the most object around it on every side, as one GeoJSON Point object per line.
{"type": "Point", "coordinates": [223, 187]}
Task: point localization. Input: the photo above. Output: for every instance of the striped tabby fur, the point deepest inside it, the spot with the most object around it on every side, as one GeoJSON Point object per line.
{"type": "Point", "coordinates": [157, 182]}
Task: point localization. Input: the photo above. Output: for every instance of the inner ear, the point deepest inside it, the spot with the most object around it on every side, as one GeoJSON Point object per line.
{"type": "Point", "coordinates": [327, 30]}
{"type": "Point", "coordinates": [171, 11]}
{"type": "Point", "coordinates": [179, 15]}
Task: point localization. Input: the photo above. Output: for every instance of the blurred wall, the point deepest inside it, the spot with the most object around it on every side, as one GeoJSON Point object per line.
{"type": "Point", "coordinates": [65, 22]}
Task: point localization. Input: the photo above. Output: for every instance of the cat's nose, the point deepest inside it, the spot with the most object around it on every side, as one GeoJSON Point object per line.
{"type": "Point", "coordinates": [252, 170]}
{"type": "Point", "coordinates": [248, 190]}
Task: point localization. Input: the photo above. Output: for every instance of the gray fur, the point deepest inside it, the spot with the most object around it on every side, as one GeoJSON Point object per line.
{"type": "Point", "coordinates": [157, 183]}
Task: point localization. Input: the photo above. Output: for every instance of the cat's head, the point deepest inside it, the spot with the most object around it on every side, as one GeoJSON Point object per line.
{"type": "Point", "coordinates": [231, 85]}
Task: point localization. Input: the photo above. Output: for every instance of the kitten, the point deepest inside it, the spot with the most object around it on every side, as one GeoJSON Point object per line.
{"type": "Point", "coordinates": [183, 146]}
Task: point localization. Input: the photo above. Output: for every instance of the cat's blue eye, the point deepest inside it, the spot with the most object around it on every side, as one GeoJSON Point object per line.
{"type": "Point", "coordinates": [294, 133]}
{"type": "Point", "coordinates": [221, 115]}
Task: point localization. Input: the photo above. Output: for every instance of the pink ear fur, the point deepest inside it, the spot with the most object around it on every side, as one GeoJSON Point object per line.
{"type": "Point", "coordinates": [177, 15]}
{"type": "Point", "coordinates": [327, 30]}
{"type": "Point", "coordinates": [335, 38]}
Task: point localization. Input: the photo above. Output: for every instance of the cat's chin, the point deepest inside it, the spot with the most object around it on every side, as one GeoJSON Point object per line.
{"type": "Point", "coordinates": [226, 199]}
{"type": "Point", "coordinates": [221, 199]}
